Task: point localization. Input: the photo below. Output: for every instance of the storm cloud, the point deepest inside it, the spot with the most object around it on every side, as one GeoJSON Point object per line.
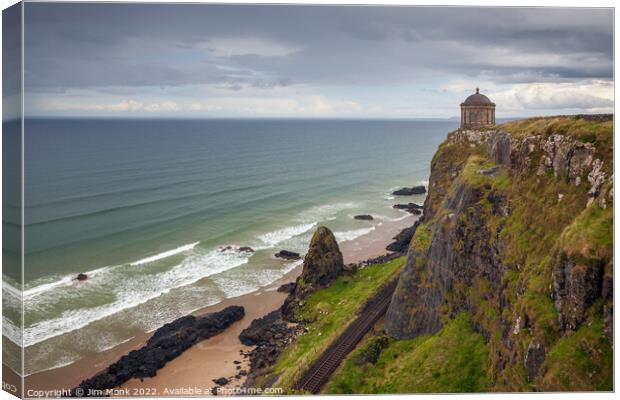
{"type": "Point", "coordinates": [381, 59]}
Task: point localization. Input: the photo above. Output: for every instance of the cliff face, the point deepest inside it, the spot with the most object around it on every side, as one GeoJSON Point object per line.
{"type": "Point", "coordinates": [517, 231]}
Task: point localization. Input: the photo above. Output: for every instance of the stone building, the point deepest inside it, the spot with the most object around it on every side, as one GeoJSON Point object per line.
{"type": "Point", "coordinates": [477, 111]}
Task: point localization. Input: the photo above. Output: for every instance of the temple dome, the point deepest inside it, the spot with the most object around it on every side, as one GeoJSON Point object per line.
{"type": "Point", "coordinates": [478, 99]}
{"type": "Point", "coordinates": [477, 111]}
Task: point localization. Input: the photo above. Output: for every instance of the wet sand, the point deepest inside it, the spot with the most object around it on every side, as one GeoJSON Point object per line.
{"type": "Point", "coordinates": [193, 372]}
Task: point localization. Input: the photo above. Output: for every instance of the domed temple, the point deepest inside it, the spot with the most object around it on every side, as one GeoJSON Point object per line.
{"type": "Point", "coordinates": [477, 111]}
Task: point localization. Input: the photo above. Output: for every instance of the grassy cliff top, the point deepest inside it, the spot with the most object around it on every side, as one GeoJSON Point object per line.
{"type": "Point", "coordinates": [596, 129]}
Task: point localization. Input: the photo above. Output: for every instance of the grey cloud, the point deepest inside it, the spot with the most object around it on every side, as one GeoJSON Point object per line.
{"type": "Point", "coordinates": [569, 100]}
{"type": "Point", "coordinates": [105, 45]}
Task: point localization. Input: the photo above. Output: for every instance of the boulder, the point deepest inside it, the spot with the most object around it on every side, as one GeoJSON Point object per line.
{"type": "Point", "coordinates": [270, 334]}
{"type": "Point", "coordinates": [402, 240]}
{"type": "Point", "coordinates": [287, 287]}
{"type": "Point", "coordinates": [262, 329]}
{"type": "Point", "coordinates": [364, 217]}
{"type": "Point", "coordinates": [323, 263]}
{"type": "Point", "coordinates": [82, 277]}
{"type": "Point", "coordinates": [288, 255]}
{"type": "Point", "coordinates": [220, 381]}
{"type": "Point", "coordinates": [410, 191]}
{"type": "Point", "coordinates": [246, 249]}
{"type": "Point", "coordinates": [412, 208]}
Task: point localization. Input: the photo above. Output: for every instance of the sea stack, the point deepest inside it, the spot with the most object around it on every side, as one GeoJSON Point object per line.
{"type": "Point", "coordinates": [323, 263]}
{"type": "Point", "coordinates": [410, 191]}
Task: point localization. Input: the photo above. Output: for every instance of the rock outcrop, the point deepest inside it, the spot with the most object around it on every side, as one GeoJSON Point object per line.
{"type": "Point", "coordinates": [364, 217]}
{"type": "Point", "coordinates": [287, 255]}
{"type": "Point", "coordinates": [401, 241]}
{"type": "Point", "coordinates": [516, 231]}
{"type": "Point", "coordinates": [270, 334]}
{"type": "Point", "coordinates": [410, 191]}
{"type": "Point", "coordinates": [167, 343]}
{"type": "Point", "coordinates": [322, 264]}
{"type": "Point", "coordinates": [287, 287]}
{"type": "Point", "coordinates": [412, 208]}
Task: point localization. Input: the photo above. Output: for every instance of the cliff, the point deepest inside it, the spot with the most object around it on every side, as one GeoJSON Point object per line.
{"type": "Point", "coordinates": [517, 234]}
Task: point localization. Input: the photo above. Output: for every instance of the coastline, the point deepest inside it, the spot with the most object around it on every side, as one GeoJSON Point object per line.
{"type": "Point", "coordinates": [212, 358]}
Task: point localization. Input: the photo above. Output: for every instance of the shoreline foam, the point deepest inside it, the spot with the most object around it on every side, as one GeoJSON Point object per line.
{"type": "Point", "coordinates": [198, 263]}
{"type": "Point", "coordinates": [365, 246]}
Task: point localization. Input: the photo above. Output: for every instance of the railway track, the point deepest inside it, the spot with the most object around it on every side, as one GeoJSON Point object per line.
{"type": "Point", "coordinates": [318, 374]}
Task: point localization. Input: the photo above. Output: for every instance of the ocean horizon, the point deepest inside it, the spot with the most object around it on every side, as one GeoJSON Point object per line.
{"type": "Point", "coordinates": [154, 211]}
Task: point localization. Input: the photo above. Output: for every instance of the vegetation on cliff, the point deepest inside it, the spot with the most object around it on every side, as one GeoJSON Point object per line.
{"type": "Point", "coordinates": [518, 234]}
{"type": "Point", "coordinates": [453, 360]}
{"type": "Point", "coordinates": [327, 312]}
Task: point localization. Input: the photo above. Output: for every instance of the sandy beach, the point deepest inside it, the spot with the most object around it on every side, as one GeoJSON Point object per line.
{"type": "Point", "coordinates": [193, 372]}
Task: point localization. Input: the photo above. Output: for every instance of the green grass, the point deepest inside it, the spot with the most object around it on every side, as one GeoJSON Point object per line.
{"type": "Point", "coordinates": [330, 311]}
{"type": "Point", "coordinates": [421, 240]}
{"type": "Point", "coordinates": [451, 361]}
{"type": "Point", "coordinates": [581, 361]}
{"type": "Point", "coordinates": [581, 129]}
{"type": "Point", "coordinates": [500, 179]}
{"type": "Point", "coordinates": [591, 234]}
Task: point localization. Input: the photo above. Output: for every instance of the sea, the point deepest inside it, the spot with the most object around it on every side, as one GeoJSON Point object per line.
{"type": "Point", "coordinates": [154, 211]}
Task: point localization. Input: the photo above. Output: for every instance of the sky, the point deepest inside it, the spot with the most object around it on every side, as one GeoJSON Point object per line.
{"type": "Point", "coordinates": [233, 61]}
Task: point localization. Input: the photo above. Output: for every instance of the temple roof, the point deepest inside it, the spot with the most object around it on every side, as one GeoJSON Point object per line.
{"type": "Point", "coordinates": [477, 99]}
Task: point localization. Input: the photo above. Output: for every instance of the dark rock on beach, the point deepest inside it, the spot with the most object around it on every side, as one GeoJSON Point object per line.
{"type": "Point", "coordinates": [242, 249]}
{"type": "Point", "coordinates": [371, 261]}
{"type": "Point", "coordinates": [412, 208]}
{"type": "Point", "coordinates": [167, 343]}
{"type": "Point", "coordinates": [401, 241]}
{"type": "Point", "coordinates": [287, 287]}
{"type": "Point", "coordinates": [270, 334]}
{"type": "Point", "coordinates": [288, 255]}
{"type": "Point", "coordinates": [220, 381]}
{"type": "Point", "coordinates": [82, 277]}
{"type": "Point", "coordinates": [262, 330]}
{"type": "Point", "coordinates": [410, 191]}
{"type": "Point", "coordinates": [364, 217]}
